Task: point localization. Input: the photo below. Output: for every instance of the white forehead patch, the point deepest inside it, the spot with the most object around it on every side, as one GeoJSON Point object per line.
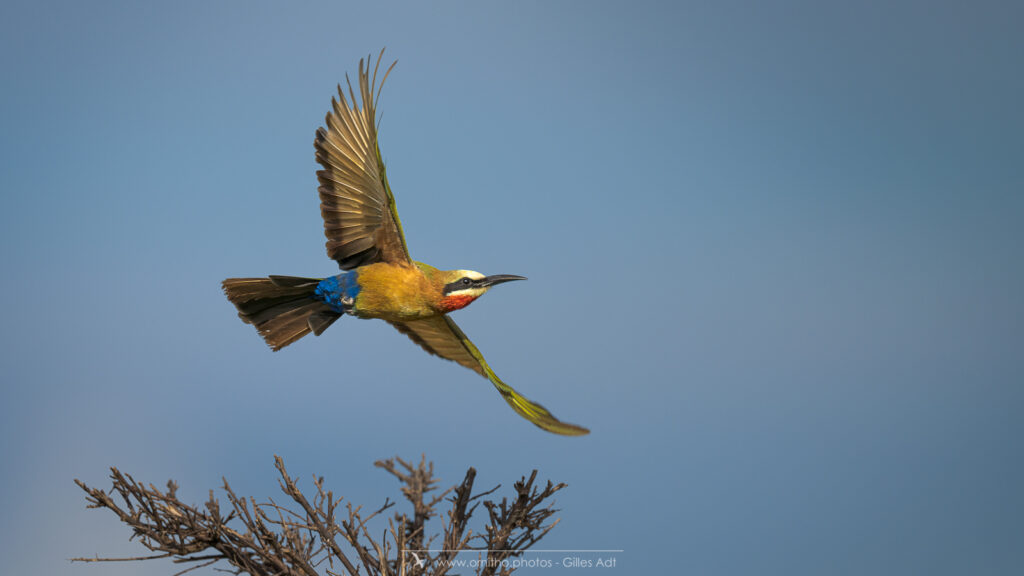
{"type": "Point", "coordinates": [471, 274]}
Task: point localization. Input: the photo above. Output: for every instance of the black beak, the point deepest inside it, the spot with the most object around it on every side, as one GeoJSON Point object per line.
{"type": "Point", "coordinates": [497, 279]}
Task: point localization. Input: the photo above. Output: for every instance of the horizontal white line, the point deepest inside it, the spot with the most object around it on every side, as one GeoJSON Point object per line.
{"type": "Point", "coordinates": [530, 550]}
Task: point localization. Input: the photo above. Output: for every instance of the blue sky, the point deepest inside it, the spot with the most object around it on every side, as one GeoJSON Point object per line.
{"type": "Point", "coordinates": [774, 253]}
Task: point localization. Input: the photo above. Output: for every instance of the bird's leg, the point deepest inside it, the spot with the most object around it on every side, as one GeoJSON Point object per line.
{"type": "Point", "coordinates": [347, 304]}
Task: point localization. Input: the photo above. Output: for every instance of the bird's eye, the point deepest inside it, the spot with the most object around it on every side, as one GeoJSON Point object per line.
{"type": "Point", "coordinates": [466, 281]}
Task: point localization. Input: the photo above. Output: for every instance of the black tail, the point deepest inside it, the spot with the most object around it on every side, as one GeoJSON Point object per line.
{"type": "Point", "coordinates": [282, 308]}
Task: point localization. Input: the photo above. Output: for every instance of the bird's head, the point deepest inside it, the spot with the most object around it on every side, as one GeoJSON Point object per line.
{"type": "Point", "coordinates": [459, 288]}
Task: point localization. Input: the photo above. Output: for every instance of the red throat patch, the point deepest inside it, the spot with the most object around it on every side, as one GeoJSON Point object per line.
{"type": "Point", "coordinates": [456, 302]}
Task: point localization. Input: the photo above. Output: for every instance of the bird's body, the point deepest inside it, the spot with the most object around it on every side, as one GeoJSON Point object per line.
{"type": "Point", "coordinates": [380, 280]}
{"type": "Point", "coordinates": [392, 292]}
{"type": "Point", "coordinates": [395, 293]}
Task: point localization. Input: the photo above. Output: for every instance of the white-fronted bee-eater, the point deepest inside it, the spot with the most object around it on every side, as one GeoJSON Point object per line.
{"type": "Point", "coordinates": [379, 278]}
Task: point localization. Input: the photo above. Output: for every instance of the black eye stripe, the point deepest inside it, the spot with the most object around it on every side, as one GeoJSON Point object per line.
{"type": "Point", "coordinates": [460, 284]}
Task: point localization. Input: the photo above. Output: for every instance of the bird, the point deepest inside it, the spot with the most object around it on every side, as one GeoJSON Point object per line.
{"type": "Point", "coordinates": [379, 279]}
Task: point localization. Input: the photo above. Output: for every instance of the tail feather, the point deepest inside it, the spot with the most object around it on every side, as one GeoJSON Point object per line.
{"type": "Point", "coordinates": [282, 308]}
{"type": "Point", "coordinates": [319, 321]}
{"type": "Point", "coordinates": [293, 281]}
{"type": "Point", "coordinates": [287, 327]}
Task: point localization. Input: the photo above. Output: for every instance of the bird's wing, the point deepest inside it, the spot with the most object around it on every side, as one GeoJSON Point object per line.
{"type": "Point", "coordinates": [360, 218]}
{"type": "Point", "coordinates": [440, 336]}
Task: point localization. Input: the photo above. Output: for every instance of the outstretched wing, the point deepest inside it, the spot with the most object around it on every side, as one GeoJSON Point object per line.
{"type": "Point", "coordinates": [442, 337]}
{"type": "Point", "coordinates": [360, 218]}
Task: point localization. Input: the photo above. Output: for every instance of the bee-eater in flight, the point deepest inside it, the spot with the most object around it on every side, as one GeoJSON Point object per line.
{"type": "Point", "coordinates": [380, 279]}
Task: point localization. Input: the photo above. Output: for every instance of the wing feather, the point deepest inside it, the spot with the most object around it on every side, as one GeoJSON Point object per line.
{"type": "Point", "coordinates": [360, 219]}
{"type": "Point", "coordinates": [440, 336]}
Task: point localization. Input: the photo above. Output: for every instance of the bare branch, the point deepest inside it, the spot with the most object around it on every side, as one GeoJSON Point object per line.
{"type": "Point", "coordinates": [267, 538]}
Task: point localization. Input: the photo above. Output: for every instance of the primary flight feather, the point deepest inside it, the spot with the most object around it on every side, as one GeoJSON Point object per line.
{"type": "Point", "coordinates": [381, 280]}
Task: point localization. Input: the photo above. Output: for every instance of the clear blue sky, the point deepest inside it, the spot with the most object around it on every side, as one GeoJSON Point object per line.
{"type": "Point", "coordinates": [774, 253]}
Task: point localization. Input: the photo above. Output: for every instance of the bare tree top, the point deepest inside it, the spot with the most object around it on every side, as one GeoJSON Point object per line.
{"type": "Point", "coordinates": [319, 536]}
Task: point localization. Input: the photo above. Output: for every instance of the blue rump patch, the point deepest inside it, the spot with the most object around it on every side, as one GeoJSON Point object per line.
{"type": "Point", "coordinates": [339, 292]}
